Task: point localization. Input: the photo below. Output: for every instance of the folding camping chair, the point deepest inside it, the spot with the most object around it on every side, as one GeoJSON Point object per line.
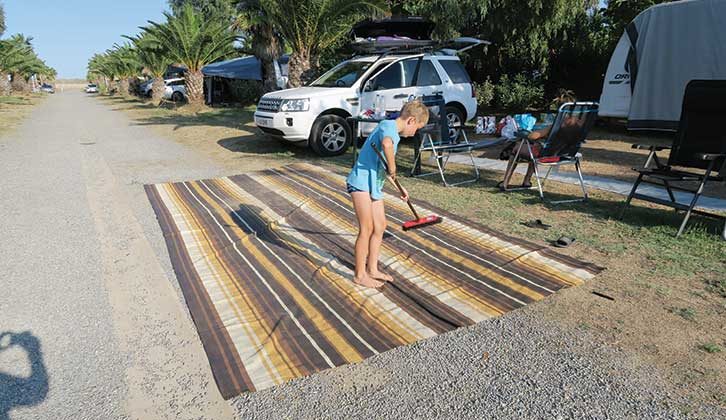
{"type": "Point", "coordinates": [562, 147]}
{"type": "Point", "coordinates": [441, 140]}
{"type": "Point", "coordinates": [697, 145]}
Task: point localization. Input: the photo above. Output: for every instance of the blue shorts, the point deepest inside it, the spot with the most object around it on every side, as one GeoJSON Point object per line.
{"type": "Point", "coordinates": [352, 189]}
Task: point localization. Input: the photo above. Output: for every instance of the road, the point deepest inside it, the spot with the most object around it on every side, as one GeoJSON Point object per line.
{"type": "Point", "coordinates": [94, 325]}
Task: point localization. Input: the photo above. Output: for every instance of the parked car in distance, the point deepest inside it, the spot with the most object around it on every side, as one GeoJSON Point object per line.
{"type": "Point", "coordinates": [145, 88]}
{"type": "Point", "coordinates": [47, 88]}
{"type": "Point", "coordinates": [175, 90]}
{"type": "Point", "coordinates": [316, 114]}
{"type": "Point", "coordinates": [91, 88]}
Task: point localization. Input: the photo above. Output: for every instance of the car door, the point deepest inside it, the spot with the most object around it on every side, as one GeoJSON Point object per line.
{"type": "Point", "coordinates": [393, 82]}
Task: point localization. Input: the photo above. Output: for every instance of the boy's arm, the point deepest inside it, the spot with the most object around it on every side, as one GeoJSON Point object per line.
{"type": "Point", "coordinates": [387, 146]}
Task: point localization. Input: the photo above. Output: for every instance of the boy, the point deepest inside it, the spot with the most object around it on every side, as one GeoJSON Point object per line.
{"type": "Point", "coordinates": [365, 184]}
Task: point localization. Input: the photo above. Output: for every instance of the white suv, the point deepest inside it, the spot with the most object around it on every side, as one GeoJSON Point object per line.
{"type": "Point", "coordinates": [316, 114]}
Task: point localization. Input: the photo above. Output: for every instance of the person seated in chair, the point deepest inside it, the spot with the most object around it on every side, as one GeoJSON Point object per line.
{"type": "Point", "coordinates": [539, 136]}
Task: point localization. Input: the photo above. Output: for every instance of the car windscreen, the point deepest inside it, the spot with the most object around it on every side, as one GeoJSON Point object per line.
{"type": "Point", "coordinates": [343, 75]}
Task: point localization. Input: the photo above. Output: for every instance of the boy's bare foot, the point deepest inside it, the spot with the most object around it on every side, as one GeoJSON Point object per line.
{"type": "Point", "coordinates": [380, 276]}
{"type": "Point", "coordinates": [367, 281]}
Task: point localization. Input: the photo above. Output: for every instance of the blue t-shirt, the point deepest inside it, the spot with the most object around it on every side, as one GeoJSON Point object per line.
{"type": "Point", "coordinates": [368, 174]}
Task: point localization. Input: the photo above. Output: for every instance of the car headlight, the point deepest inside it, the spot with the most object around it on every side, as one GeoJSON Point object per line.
{"type": "Point", "coordinates": [295, 105]}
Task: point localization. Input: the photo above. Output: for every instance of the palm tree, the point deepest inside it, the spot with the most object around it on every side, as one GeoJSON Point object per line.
{"type": "Point", "coordinates": [16, 55]}
{"type": "Point", "coordinates": [309, 27]}
{"type": "Point", "coordinates": [2, 20]}
{"type": "Point", "coordinates": [101, 71]}
{"type": "Point", "coordinates": [154, 59]}
{"type": "Point", "coordinates": [194, 40]}
{"type": "Point", "coordinates": [264, 40]}
{"type": "Point", "coordinates": [124, 60]}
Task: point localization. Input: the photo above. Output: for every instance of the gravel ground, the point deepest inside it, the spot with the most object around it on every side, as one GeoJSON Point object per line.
{"type": "Point", "coordinates": [86, 273]}
{"type": "Point", "coordinates": [514, 367]}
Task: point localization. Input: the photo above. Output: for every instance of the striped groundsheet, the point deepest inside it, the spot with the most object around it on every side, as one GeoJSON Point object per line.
{"type": "Point", "coordinates": [265, 262]}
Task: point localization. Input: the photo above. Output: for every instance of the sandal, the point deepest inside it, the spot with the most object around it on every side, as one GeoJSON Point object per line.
{"type": "Point", "coordinates": [537, 224]}
{"type": "Point", "coordinates": [563, 242]}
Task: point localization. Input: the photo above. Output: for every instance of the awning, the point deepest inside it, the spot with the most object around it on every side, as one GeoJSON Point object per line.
{"type": "Point", "coordinates": [243, 68]}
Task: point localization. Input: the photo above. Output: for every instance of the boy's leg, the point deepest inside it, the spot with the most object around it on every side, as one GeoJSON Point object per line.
{"type": "Point", "coordinates": [374, 248]}
{"type": "Point", "coordinates": [362, 204]}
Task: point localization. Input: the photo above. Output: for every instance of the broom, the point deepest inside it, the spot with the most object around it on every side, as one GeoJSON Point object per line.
{"type": "Point", "coordinates": [418, 221]}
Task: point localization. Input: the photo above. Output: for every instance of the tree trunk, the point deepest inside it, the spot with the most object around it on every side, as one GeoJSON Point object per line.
{"type": "Point", "coordinates": [124, 86]}
{"type": "Point", "coordinates": [298, 68]}
{"type": "Point", "coordinates": [4, 84]}
{"type": "Point", "coordinates": [267, 48]}
{"type": "Point", "coordinates": [195, 87]}
{"type": "Point", "coordinates": [19, 85]}
{"type": "Point", "coordinates": [157, 89]}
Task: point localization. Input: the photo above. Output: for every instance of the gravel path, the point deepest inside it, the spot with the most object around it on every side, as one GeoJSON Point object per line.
{"type": "Point", "coordinates": [87, 275]}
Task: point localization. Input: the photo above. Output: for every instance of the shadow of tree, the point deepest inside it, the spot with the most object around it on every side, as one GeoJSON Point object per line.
{"type": "Point", "coordinates": [235, 118]}
{"type": "Point", "coordinates": [18, 391]}
{"type": "Point", "coordinates": [635, 214]}
{"type": "Point", "coordinates": [257, 144]}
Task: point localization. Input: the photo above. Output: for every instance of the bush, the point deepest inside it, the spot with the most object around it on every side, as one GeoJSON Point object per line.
{"type": "Point", "coordinates": [518, 93]}
{"type": "Point", "coordinates": [484, 93]}
{"type": "Point", "coordinates": [246, 92]}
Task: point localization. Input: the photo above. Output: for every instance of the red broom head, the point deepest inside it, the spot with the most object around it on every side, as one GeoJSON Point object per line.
{"type": "Point", "coordinates": [424, 221]}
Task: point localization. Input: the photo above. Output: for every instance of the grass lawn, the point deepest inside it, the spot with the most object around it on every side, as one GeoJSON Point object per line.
{"type": "Point", "coordinates": [669, 294]}
{"type": "Point", "coordinates": [14, 108]}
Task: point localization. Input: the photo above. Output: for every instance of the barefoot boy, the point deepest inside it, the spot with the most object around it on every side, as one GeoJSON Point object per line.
{"type": "Point", "coordinates": [365, 183]}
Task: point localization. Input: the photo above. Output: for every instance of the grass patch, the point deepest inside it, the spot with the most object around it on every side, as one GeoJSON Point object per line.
{"type": "Point", "coordinates": [717, 286]}
{"type": "Point", "coordinates": [15, 100]}
{"type": "Point", "coordinates": [686, 313]}
{"type": "Point", "coordinates": [710, 348]}
{"type": "Point", "coordinates": [13, 110]}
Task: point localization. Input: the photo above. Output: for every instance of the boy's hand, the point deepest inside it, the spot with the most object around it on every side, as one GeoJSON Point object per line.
{"type": "Point", "coordinates": [404, 196]}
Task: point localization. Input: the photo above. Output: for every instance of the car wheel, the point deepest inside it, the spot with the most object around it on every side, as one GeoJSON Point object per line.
{"type": "Point", "coordinates": [456, 120]}
{"type": "Point", "coordinates": [177, 97]}
{"type": "Point", "coordinates": [331, 136]}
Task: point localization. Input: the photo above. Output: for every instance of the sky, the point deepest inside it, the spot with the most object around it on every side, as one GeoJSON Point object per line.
{"type": "Point", "coordinates": [66, 33]}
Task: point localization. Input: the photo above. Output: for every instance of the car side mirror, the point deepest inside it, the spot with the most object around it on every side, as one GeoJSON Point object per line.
{"type": "Point", "coordinates": [368, 86]}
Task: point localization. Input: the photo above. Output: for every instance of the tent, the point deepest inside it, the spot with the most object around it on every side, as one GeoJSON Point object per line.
{"type": "Point", "coordinates": [219, 75]}
{"type": "Point", "coordinates": [662, 49]}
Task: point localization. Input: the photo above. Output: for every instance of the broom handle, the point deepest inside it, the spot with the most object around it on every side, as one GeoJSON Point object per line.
{"type": "Point", "coordinates": [395, 180]}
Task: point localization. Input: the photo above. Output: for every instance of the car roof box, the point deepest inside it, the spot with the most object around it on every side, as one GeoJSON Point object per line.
{"type": "Point", "coordinates": [413, 27]}
{"type": "Point", "coordinates": [394, 33]}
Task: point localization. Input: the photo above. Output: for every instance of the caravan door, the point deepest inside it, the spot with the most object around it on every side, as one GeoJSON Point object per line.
{"type": "Point", "coordinates": [616, 89]}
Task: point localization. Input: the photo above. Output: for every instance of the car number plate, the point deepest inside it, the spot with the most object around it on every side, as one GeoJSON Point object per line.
{"type": "Point", "coordinates": [264, 122]}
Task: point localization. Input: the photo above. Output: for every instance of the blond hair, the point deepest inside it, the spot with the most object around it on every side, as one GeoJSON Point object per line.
{"type": "Point", "coordinates": [417, 110]}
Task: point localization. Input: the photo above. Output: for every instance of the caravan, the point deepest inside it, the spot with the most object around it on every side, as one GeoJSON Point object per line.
{"type": "Point", "coordinates": [662, 49]}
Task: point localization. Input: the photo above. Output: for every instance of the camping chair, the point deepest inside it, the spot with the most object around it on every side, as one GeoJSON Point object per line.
{"type": "Point", "coordinates": [562, 147]}
{"type": "Point", "coordinates": [443, 141]}
{"type": "Point", "coordinates": [697, 145]}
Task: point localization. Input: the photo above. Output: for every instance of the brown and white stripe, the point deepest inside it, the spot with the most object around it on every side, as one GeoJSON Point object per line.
{"type": "Point", "coordinates": [265, 262]}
